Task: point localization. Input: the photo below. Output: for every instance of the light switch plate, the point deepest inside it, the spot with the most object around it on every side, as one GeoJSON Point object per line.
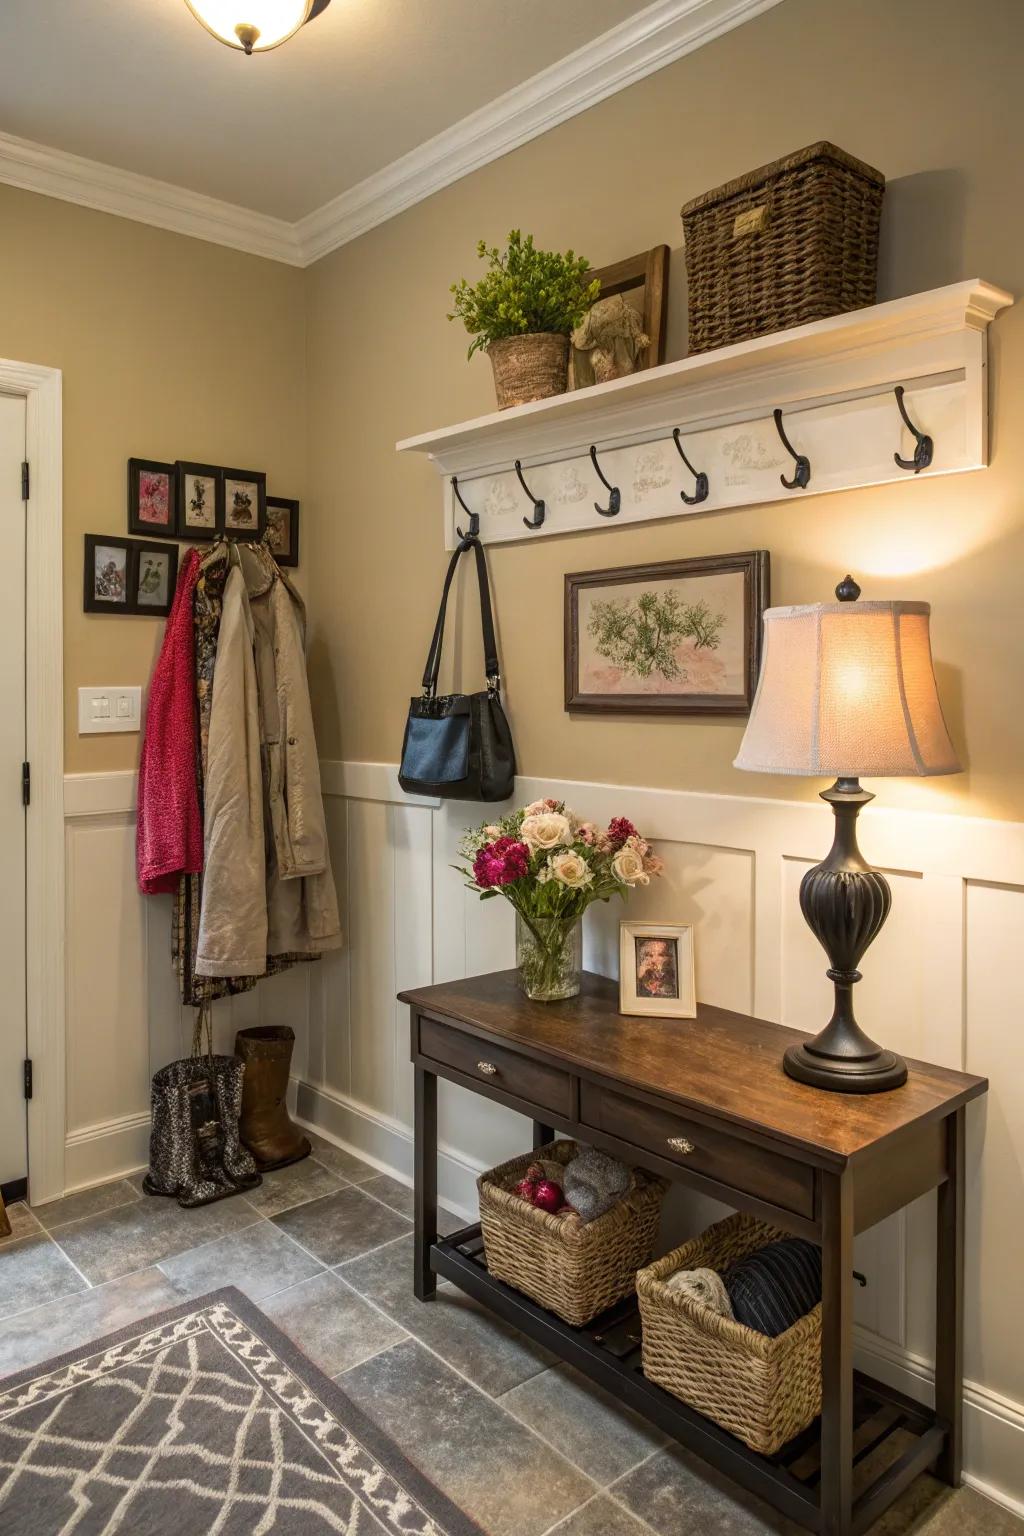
{"type": "Point", "coordinates": [109, 709]}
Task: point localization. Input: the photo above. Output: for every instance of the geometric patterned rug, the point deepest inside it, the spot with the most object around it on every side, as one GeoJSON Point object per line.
{"type": "Point", "coordinates": [202, 1421]}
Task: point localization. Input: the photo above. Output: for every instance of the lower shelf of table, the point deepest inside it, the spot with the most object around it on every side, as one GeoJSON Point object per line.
{"type": "Point", "coordinates": [608, 1351]}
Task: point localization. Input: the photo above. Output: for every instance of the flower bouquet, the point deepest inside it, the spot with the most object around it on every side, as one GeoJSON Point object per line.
{"type": "Point", "coordinates": [550, 864]}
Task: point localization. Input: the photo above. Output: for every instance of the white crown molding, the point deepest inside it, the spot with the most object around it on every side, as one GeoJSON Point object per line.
{"type": "Point", "coordinates": [654, 37]}
{"type": "Point", "coordinates": [55, 173]}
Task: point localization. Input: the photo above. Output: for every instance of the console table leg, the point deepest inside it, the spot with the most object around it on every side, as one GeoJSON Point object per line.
{"type": "Point", "coordinates": [837, 1355]}
{"type": "Point", "coordinates": [949, 1310]}
{"type": "Point", "coordinates": [425, 1174]}
{"type": "Point", "coordinates": [542, 1134]}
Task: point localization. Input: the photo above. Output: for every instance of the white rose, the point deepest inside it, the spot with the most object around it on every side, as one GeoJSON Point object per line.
{"type": "Point", "coordinates": [628, 866]}
{"type": "Point", "coordinates": [536, 808]}
{"type": "Point", "coordinates": [571, 869]}
{"type": "Point", "coordinates": [544, 874]}
{"type": "Point", "coordinates": [547, 830]}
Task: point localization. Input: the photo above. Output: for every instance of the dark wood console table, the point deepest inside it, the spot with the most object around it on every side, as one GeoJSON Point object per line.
{"type": "Point", "coordinates": [705, 1102]}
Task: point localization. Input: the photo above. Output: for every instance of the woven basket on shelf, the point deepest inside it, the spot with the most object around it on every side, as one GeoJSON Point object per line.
{"type": "Point", "coordinates": [576, 1271]}
{"type": "Point", "coordinates": [529, 367]}
{"type": "Point", "coordinates": [791, 242]}
{"type": "Point", "coordinates": [762, 1390]}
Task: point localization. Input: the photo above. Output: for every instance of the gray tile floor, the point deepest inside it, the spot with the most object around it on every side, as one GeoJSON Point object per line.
{"type": "Point", "coordinates": [521, 1442]}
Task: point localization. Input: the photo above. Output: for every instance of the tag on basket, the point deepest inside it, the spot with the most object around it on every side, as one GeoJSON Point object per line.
{"type": "Point", "coordinates": [752, 221]}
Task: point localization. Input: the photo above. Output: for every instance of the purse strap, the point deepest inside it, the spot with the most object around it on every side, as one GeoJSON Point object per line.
{"type": "Point", "coordinates": [433, 666]}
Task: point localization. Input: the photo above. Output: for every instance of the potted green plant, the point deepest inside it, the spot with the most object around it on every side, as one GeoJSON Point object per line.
{"type": "Point", "coordinates": [522, 312]}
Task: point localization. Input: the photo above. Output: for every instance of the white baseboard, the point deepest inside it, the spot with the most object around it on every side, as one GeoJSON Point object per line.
{"type": "Point", "coordinates": [385, 1144]}
{"type": "Point", "coordinates": [107, 1150]}
{"type": "Point", "coordinates": [993, 1424]}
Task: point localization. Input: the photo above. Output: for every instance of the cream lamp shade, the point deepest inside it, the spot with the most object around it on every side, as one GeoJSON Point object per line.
{"type": "Point", "coordinates": [847, 690]}
{"type": "Point", "coordinates": [253, 26]}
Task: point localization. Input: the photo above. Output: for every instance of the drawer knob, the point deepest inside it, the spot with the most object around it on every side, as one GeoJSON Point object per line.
{"type": "Point", "coordinates": [487, 1068]}
{"type": "Point", "coordinates": [680, 1144]}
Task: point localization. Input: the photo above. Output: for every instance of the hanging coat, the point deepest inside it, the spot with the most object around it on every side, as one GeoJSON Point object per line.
{"type": "Point", "coordinates": [267, 884]}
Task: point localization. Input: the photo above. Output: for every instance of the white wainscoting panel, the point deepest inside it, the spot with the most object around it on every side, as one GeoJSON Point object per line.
{"type": "Point", "coordinates": [939, 983]}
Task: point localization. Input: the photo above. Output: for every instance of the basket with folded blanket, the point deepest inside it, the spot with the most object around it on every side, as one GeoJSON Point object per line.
{"type": "Point", "coordinates": [732, 1327]}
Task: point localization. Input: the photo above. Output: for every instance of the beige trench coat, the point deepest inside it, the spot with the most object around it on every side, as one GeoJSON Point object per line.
{"type": "Point", "coordinates": [267, 882]}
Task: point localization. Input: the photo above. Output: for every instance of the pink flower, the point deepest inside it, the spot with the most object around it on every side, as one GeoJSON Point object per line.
{"type": "Point", "coordinates": [653, 865]}
{"type": "Point", "coordinates": [587, 833]}
{"type": "Point", "coordinates": [501, 862]}
{"type": "Point", "coordinates": [620, 830]}
{"type": "Point", "coordinates": [641, 844]}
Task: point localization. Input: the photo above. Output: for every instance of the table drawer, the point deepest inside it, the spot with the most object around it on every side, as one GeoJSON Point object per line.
{"type": "Point", "coordinates": [547, 1087]}
{"type": "Point", "coordinates": [768, 1176]}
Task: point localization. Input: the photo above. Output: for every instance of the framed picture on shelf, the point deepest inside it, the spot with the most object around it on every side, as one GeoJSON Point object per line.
{"type": "Point", "coordinates": [283, 529]}
{"type": "Point", "coordinates": [200, 488]}
{"type": "Point", "coordinates": [656, 970]}
{"type": "Point", "coordinates": [152, 499]}
{"type": "Point", "coordinates": [681, 637]}
{"type": "Point", "coordinates": [107, 573]}
{"type": "Point", "coordinates": [245, 503]}
{"type": "Point", "coordinates": [153, 571]}
{"type": "Point", "coordinates": [639, 282]}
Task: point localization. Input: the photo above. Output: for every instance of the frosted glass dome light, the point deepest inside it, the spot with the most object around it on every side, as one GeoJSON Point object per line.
{"type": "Point", "coordinates": [254, 26]}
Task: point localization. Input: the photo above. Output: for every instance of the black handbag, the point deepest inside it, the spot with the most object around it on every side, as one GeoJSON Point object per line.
{"type": "Point", "coordinates": [459, 746]}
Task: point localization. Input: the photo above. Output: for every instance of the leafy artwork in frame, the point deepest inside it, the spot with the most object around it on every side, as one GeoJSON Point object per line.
{"type": "Point", "coordinates": [680, 637]}
{"type": "Point", "coordinates": [129, 576]}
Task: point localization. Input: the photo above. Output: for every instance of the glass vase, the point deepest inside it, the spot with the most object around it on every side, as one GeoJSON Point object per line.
{"type": "Point", "coordinates": [549, 954]}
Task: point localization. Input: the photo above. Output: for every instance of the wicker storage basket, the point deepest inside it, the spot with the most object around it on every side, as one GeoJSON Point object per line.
{"type": "Point", "coordinates": [762, 1390]}
{"type": "Point", "coordinates": [529, 367]}
{"type": "Point", "coordinates": [790, 242]}
{"type": "Point", "coordinates": [576, 1271]}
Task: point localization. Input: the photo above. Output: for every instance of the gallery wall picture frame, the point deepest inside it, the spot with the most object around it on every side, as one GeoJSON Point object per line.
{"type": "Point", "coordinates": [245, 503]}
{"type": "Point", "coordinates": [200, 500]}
{"type": "Point", "coordinates": [657, 975]}
{"type": "Point", "coordinates": [152, 499]}
{"type": "Point", "coordinates": [648, 270]}
{"type": "Point", "coordinates": [679, 637]}
{"type": "Point", "coordinates": [283, 529]}
{"type": "Point", "coordinates": [129, 576]}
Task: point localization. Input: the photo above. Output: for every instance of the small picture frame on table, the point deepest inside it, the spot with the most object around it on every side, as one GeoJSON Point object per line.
{"type": "Point", "coordinates": [152, 499]}
{"type": "Point", "coordinates": [200, 513]}
{"type": "Point", "coordinates": [656, 970]}
{"type": "Point", "coordinates": [154, 573]}
{"type": "Point", "coordinates": [283, 529]}
{"type": "Point", "coordinates": [245, 503]}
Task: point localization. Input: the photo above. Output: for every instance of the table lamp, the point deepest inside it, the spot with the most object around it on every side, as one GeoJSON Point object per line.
{"type": "Point", "coordinates": [846, 688]}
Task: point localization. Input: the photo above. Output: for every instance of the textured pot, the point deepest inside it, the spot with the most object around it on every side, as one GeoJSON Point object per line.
{"type": "Point", "coordinates": [529, 367]}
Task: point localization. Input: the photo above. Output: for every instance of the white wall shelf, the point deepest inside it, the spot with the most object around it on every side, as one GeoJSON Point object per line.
{"type": "Point", "coordinates": [834, 380]}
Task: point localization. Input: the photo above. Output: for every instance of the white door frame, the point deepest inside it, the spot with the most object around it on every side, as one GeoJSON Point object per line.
{"type": "Point", "coordinates": [44, 730]}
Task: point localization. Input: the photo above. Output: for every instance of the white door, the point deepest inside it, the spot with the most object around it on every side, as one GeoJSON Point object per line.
{"type": "Point", "coordinates": [13, 1120]}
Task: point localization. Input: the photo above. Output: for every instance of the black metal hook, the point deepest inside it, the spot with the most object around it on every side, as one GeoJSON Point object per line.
{"type": "Point", "coordinates": [924, 446]}
{"type": "Point", "coordinates": [614, 495]}
{"type": "Point", "coordinates": [702, 488]}
{"type": "Point", "coordinates": [539, 509]}
{"type": "Point", "coordinates": [801, 463]}
{"type": "Point", "coordinates": [474, 517]}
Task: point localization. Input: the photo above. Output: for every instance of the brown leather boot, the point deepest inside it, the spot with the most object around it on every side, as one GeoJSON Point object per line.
{"type": "Point", "coordinates": [265, 1126]}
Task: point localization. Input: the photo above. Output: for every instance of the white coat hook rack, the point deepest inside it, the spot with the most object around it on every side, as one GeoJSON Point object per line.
{"type": "Point", "coordinates": [803, 411]}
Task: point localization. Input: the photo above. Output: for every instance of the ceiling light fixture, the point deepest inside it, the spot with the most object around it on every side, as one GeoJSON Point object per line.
{"type": "Point", "coordinates": [254, 26]}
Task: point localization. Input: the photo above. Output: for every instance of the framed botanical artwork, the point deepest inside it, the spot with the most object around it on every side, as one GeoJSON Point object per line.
{"type": "Point", "coordinates": [152, 498]}
{"type": "Point", "coordinates": [153, 572]}
{"type": "Point", "coordinates": [245, 503]}
{"type": "Point", "coordinates": [129, 575]}
{"type": "Point", "coordinates": [681, 637]}
{"type": "Point", "coordinates": [283, 529]}
{"type": "Point", "coordinates": [200, 500]}
{"type": "Point", "coordinates": [656, 970]}
{"type": "Point", "coordinates": [640, 283]}
{"type": "Point", "coordinates": [107, 574]}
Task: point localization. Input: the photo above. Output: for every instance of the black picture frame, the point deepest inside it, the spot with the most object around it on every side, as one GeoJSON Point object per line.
{"type": "Point", "coordinates": [187, 469]}
{"type": "Point", "coordinates": [144, 525]}
{"type": "Point", "coordinates": [131, 571]}
{"type": "Point", "coordinates": [753, 566]}
{"type": "Point", "coordinates": [144, 548]}
{"type": "Point", "coordinates": [258, 481]}
{"type": "Point", "coordinates": [290, 555]}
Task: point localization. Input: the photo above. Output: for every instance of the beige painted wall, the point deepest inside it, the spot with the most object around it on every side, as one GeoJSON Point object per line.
{"type": "Point", "coordinates": [170, 348]}
{"type": "Point", "coordinates": [929, 91]}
